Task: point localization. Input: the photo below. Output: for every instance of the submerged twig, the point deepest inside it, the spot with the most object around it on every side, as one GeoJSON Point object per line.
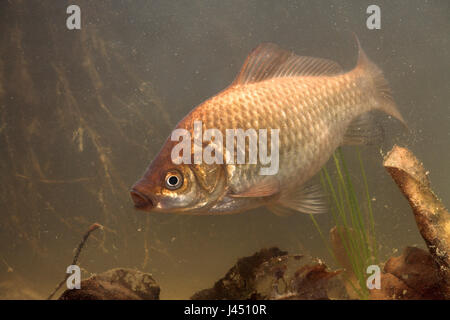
{"type": "Point", "coordinates": [432, 219]}
{"type": "Point", "coordinates": [54, 181]}
{"type": "Point", "coordinates": [92, 228]}
{"type": "Point", "coordinates": [344, 260]}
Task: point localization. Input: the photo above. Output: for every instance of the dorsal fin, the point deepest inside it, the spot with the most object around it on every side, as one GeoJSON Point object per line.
{"type": "Point", "coordinates": [270, 61]}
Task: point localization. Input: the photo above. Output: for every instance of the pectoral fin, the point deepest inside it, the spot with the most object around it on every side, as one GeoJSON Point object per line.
{"type": "Point", "coordinates": [266, 188]}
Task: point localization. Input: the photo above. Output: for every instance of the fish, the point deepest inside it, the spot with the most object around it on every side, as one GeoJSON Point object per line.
{"type": "Point", "coordinates": [312, 104]}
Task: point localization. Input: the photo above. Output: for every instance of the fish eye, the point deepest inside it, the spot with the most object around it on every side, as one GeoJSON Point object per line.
{"type": "Point", "coordinates": [174, 180]}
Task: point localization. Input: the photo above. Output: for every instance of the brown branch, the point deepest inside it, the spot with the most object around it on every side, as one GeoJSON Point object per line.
{"type": "Point", "coordinates": [432, 219]}
{"type": "Point", "coordinates": [92, 228]}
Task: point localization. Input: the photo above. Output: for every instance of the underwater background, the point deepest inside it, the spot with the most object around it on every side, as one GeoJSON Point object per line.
{"type": "Point", "coordinates": [82, 114]}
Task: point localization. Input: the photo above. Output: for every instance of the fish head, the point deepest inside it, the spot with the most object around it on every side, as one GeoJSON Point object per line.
{"type": "Point", "coordinates": [178, 188]}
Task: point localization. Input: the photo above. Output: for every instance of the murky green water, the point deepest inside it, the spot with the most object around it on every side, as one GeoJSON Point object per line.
{"type": "Point", "coordinates": [82, 114]}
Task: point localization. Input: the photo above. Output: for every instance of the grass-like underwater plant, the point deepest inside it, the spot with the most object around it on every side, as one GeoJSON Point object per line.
{"type": "Point", "coordinates": [354, 224]}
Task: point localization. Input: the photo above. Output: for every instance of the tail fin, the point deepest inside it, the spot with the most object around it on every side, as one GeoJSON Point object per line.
{"type": "Point", "coordinates": [383, 94]}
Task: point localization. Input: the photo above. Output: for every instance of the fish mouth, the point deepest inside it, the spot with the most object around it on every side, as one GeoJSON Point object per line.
{"type": "Point", "coordinates": [141, 201]}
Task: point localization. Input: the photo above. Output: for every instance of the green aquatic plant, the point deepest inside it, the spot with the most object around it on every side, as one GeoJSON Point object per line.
{"type": "Point", "coordinates": [355, 227]}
